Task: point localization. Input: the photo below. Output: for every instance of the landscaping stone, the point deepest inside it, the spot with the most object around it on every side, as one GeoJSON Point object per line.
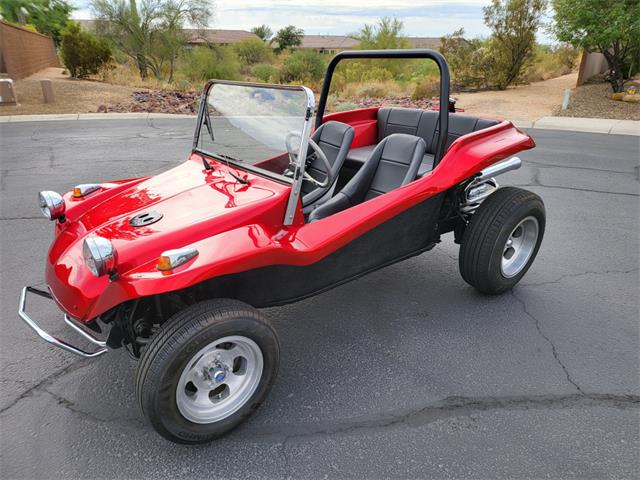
{"type": "Point", "coordinates": [156, 101]}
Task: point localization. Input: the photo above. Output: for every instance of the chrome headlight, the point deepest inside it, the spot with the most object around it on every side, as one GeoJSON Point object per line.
{"type": "Point", "coordinates": [51, 204]}
{"type": "Point", "coordinates": [99, 255]}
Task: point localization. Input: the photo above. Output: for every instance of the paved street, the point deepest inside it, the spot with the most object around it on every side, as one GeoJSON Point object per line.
{"type": "Point", "coordinates": [407, 372]}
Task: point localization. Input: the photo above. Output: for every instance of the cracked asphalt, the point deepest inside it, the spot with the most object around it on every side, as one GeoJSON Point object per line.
{"type": "Point", "coordinates": [405, 373]}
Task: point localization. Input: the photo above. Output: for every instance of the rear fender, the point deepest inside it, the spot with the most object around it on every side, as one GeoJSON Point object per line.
{"type": "Point", "coordinates": [477, 150]}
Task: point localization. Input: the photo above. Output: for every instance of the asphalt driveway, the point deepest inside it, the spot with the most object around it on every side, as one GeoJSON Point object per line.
{"type": "Point", "coordinates": [407, 372]}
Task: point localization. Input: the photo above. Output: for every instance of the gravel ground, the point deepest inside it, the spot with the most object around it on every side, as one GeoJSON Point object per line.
{"type": "Point", "coordinates": [594, 101]}
{"type": "Point", "coordinates": [71, 96]}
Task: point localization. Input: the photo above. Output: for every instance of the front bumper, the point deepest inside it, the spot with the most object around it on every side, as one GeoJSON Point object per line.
{"type": "Point", "coordinates": [102, 345]}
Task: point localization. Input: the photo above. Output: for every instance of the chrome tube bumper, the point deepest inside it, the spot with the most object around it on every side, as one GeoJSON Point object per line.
{"type": "Point", "coordinates": [102, 346]}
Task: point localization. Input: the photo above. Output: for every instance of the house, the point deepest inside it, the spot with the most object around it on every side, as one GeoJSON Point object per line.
{"type": "Point", "coordinates": [337, 43]}
{"type": "Point", "coordinates": [328, 43]}
{"type": "Point", "coordinates": [194, 36]}
{"type": "Point", "coordinates": [432, 43]}
{"type": "Point", "coordinates": [218, 37]}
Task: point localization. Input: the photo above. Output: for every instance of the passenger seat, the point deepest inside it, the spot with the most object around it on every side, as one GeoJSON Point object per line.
{"type": "Point", "coordinates": [421, 123]}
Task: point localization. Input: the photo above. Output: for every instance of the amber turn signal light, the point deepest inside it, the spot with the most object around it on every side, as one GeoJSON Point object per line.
{"type": "Point", "coordinates": [171, 259]}
{"type": "Point", "coordinates": [85, 189]}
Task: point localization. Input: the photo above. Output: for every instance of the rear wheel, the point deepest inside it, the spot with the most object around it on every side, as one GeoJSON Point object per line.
{"type": "Point", "coordinates": [206, 370]}
{"type": "Point", "coordinates": [502, 239]}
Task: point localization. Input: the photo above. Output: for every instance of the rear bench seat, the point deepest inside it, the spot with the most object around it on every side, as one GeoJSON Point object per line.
{"type": "Point", "coordinates": [421, 123]}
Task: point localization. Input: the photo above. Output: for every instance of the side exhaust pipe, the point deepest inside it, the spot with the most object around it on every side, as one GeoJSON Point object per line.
{"type": "Point", "coordinates": [484, 184]}
{"type": "Point", "coordinates": [499, 168]}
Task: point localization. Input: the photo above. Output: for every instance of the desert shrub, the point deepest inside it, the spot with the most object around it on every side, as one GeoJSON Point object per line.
{"type": "Point", "coordinates": [372, 90]}
{"type": "Point", "coordinates": [566, 55]}
{"type": "Point", "coordinates": [204, 63]}
{"type": "Point", "coordinates": [470, 61]}
{"type": "Point", "coordinates": [345, 107]}
{"type": "Point", "coordinates": [422, 70]}
{"type": "Point", "coordinates": [264, 72]}
{"type": "Point", "coordinates": [83, 54]}
{"type": "Point", "coordinates": [426, 89]}
{"type": "Point", "coordinates": [388, 88]}
{"type": "Point", "coordinates": [302, 66]}
{"type": "Point", "coordinates": [550, 62]}
{"type": "Point", "coordinates": [252, 51]}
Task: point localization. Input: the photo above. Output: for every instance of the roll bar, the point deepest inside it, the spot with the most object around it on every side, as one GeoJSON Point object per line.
{"type": "Point", "coordinates": [409, 54]}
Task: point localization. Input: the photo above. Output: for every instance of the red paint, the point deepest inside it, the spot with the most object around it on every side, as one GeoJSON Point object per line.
{"type": "Point", "coordinates": [235, 227]}
{"type": "Point", "coordinates": [364, 121]}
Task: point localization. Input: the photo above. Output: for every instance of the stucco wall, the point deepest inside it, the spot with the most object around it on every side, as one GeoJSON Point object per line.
{"type": "Point", "coordinates": [591, 64]}
{"type": "Point", "coordinates": [24, 52]}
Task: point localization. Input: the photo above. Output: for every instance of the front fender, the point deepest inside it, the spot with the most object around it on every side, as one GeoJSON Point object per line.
{"type": "Point", "coordinates": [237, 250]}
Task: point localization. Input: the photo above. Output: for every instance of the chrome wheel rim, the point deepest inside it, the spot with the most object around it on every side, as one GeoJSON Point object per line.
{"type": "Point", "coordinates": [519, 247]}
{"type": "Point", "coordinates": [219, 379]}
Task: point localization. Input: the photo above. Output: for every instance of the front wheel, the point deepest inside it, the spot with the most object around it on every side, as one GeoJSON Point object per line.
{"type": "Point", "coordinates": [207, 369]}
{"type": "Point", "coordinates": [502, 239]}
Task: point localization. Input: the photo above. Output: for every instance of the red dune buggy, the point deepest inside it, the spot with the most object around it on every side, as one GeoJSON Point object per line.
{"type": "Point", "coordinates": [267, 211]}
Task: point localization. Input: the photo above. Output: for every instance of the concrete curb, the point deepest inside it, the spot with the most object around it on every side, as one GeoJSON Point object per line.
{"type": "Point", "coordinates": [588, 125]}
{"type": "Point", "coordinates": [89, 116]}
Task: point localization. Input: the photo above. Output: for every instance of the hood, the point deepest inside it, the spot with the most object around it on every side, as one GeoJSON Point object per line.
{"type": "Point", "coordinates": [188, 204]}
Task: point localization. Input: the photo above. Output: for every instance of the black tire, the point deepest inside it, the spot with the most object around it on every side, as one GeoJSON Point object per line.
{"type": "Point", "coordinates": [485, 237]}
{"type": "Point", "coordinates": [177, 342]}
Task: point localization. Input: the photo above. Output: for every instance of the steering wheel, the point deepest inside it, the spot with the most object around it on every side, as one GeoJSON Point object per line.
{"type": "Point", "coordinates": [319, 153]}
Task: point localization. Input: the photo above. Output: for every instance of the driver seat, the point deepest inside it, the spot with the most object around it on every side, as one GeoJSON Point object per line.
{"type": "Point", "coordinates": [393, 163]}
{"type": "Point", "coordinates": [334, 139]}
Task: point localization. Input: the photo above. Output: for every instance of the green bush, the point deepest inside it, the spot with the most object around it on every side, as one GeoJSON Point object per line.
{"type": "Point", "coordinates": [204, 63]}
{"type": "Point", "coordinates": [302, 66]}
{"type": "Point", "coordinates": [83, 54]}
{"type": "Point", "coordinates": [252, 51]}
{"type": "Point", "coordinates": [264, 72]}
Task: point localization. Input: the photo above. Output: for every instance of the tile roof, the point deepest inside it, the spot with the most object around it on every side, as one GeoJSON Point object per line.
{"type": "Point", "coordinates": [208, 35]}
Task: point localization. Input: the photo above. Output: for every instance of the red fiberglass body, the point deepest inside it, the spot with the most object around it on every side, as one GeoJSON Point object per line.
{"type": "Point", "coordinates": [235, 227]}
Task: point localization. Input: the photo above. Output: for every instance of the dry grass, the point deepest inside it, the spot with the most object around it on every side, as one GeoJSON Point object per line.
{"type": "Point", "coordinates": [373, 89]}
{"type": "Point", "coordinates": [71, 96]}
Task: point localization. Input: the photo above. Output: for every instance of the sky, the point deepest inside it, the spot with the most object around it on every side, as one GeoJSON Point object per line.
{"type": "Point", "coordinates": [426, 18]}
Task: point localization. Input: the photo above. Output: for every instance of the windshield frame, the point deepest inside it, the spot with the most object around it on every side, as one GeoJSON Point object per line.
{"type": "Point", "coordinates": [296, 181]}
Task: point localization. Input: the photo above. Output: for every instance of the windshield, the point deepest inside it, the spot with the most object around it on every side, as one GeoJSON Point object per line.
{"type": "Point", "coordinates": [249, 124]}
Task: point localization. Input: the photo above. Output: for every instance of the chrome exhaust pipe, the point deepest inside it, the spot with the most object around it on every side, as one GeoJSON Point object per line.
{"type": "Point", "coordinates": [499, 168]}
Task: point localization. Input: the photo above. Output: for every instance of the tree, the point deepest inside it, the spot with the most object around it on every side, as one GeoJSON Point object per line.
{"type": "Point", "coordinates": [470, 61]}
{"type": "Point", "coordinates": [252, 50]}
{"type": "Point", "coordinates": [82, 52]}
{"type": "Point", "coordinates": [47, 16]}
{"type": "Point", "coordinates": [513, 24]}
{"type": "Point", "coordinates": [609, 27]}
{"type": "Point", "coordinates": [387, 33]}
{"type": "Point", "coordinates": [152, 32]}
{"type": "Point", "coordinates": [263, 32]}
{"type": "Point", "coordinates": [288, 37]}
